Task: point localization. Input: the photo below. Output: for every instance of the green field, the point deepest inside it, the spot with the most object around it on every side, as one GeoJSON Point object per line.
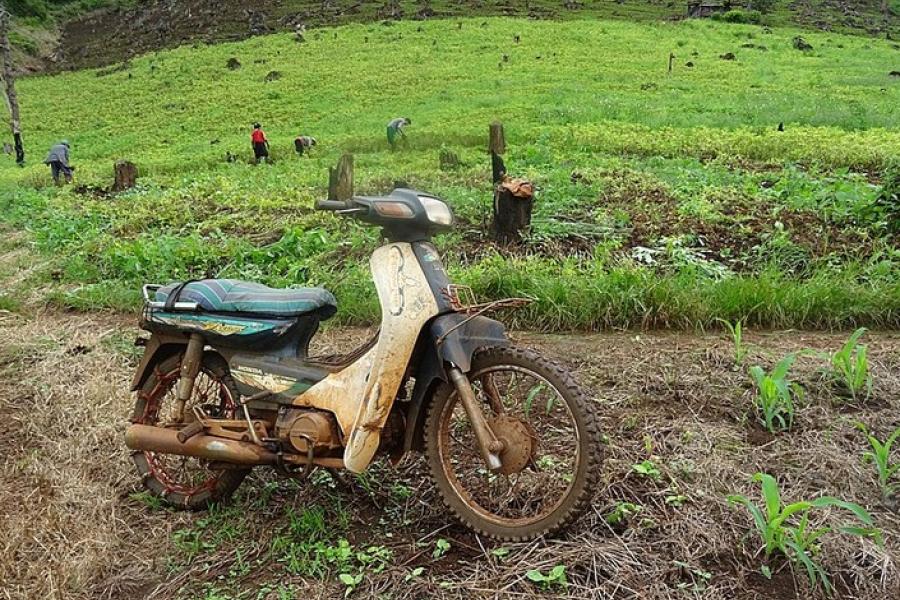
{"type": "Point", "coordinates": [663, 199]}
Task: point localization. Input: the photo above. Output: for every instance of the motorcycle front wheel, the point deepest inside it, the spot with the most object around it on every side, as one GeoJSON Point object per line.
{"type": "Point", "coordinates": [551, 447]}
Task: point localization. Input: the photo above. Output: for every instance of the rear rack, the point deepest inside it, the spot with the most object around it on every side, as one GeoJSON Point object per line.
{"type": "Point", "coordinates": [150, 305]}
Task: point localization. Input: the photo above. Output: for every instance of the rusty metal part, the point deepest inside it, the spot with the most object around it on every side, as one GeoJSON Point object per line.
{"type": "Point", "coordinates": [312, 429]}
{"type": "Point", "coordinates": [165, 441]}
{"type": "Point", "coordinates": [518, 443]}
{"type": "Point", "coordinates": [235, 429]}
{"type": "Point", "coordinates": [251, 426]}
{"type": "Point", "coordinates": [192, 429]}
{"type": "Point", "coordinates": [493, 394]}
{"type": "Point", "coordinates": [488, 443]}
{"type": "Point", "coordinates": [190, 366]}
{"type": "Point", "coordinates": [462, 300]}
{"type": "Point", "coordinates": [479, 309]}
{"type": "Point", "coordinates": [159, 439]}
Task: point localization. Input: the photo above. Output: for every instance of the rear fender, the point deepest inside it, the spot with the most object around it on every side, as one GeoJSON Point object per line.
{"type": "Point", "coordinates": [158, 348]}
{"type": "Point", "coordinates": [453, 338]}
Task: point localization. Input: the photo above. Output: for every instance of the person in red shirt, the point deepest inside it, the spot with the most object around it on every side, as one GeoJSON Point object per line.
{"type": "Point", "coordinates": [260, 143]}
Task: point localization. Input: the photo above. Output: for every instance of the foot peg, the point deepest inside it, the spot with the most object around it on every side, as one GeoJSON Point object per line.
{"type": "Point", "coordinates": [189, 431]}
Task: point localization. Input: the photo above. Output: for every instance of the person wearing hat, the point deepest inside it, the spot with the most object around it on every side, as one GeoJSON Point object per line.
{"type": "Point", "coordinates": [260, 143]}
{"type": "Point", "coordinates": [58, 159]}
{"type": "Point", "coordinates": [302, 143]}
{"type": "Point", "coordinates": [395, 129]}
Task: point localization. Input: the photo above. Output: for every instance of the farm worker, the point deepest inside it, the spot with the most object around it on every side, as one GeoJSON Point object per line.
{"type": "Point", "coordinates": [58, 159]}
{"type": "Point", "coordinates": [260, 143]}
{"type": "Point", "coordinates": [395, 128]}
{"type": "Point", "coordinates": [303, 143]}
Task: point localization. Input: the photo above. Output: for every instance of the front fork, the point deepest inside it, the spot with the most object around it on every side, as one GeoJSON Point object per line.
{"type": "Point", "coordinates": [488, 443]}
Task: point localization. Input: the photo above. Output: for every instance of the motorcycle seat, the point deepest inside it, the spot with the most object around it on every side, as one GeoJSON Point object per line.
{"type": "Point", "coordinates": [236, 296]}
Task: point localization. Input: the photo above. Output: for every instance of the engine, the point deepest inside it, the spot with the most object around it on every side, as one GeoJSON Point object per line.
{"type": "Point", "coordinates": [301, 428]}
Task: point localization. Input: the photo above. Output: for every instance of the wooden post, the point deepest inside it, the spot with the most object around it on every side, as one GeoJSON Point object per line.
{"type": "Point", "coordinates": [12, 100]}
{"type": "Point", "coordinates": [340, 179]}
{"type": "Point", "coordinates": [126, 176]}
{"type": "Point", "coordinates": [497, 146]}
{"type": "Point", "coordinates": [671, 58]}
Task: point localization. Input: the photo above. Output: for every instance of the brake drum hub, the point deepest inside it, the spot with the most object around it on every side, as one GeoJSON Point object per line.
{"type": "Point", "coordinates": [518, 442]}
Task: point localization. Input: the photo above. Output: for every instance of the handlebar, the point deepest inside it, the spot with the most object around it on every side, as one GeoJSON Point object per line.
{"type": "Point", "coordinates": [332, 205]}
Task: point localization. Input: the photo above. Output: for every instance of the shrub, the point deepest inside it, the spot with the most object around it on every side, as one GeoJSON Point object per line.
{"type": "Point", "coordinates": [28, 8]}
{"type": "Point", "coordinates": [741, 16]}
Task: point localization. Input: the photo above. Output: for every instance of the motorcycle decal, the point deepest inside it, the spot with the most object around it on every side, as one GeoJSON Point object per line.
{"type": "Point", "coordinates": [219, 325]}
{"type": "Point", "coordinates": [258, 379]}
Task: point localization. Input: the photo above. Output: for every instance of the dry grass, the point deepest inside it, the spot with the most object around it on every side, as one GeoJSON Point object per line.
{"type": "Point", "coordinates": [71, 525]}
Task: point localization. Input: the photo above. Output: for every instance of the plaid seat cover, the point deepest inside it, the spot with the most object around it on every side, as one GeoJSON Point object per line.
{"type": "Point", "coordinates": [233, 295]}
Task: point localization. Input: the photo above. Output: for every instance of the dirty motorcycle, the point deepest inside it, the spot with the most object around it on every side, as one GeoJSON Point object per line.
{"type": "Point", "coordinates": [227, 382]}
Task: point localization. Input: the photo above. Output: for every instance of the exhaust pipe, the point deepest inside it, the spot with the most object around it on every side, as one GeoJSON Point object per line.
{"type": "Point", "coordinates": [159, 439]}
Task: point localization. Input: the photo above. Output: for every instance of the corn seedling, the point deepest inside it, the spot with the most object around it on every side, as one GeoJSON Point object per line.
{"type": "Point", "coordinates": [785, 528]}
{"type": "Point", "coordinates": [850, 366]}
{"type": "Point", "coordinates": [736, 331]}
{"type": "Point", "coordinates": [776, 395]}
{"type": "Point", "coordinates": [881, 456]}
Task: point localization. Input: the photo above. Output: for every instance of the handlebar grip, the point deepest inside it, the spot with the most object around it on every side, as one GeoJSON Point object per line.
{"type": "Point", "coordinates": [331, 205]}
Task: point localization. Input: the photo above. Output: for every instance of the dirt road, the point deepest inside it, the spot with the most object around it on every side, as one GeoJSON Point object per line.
{"type": "Point", "coordinates": [73, 525]}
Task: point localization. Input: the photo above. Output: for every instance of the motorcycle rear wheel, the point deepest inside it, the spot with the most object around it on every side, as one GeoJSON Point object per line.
{"type": "Point", "coordinates": [186, 482]}
{"type": "Point", "coordinates": [552, 449]}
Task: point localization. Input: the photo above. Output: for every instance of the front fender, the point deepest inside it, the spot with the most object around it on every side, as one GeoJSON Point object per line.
{"type": "Point", "coordinates": [452, 338]}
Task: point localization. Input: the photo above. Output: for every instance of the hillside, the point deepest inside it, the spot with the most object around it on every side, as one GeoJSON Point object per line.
{"type": "Point", "coordinates": [667, 199]}
{"type": "Point", "coordinates": [122, 29]}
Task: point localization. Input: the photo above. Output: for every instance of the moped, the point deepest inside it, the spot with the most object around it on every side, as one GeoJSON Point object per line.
{"type": "Point", "coordinates": [226, 383]}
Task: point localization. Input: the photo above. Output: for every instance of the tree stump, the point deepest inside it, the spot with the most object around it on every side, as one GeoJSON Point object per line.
{"type": "Point", "coordinates": [126, 176]}
{"type": "Point", "coordinates": [512, 215]}
{"type": "Point", "coordinates": [340, 179]}
{"type": "Point", "coordinates": [513, 198]}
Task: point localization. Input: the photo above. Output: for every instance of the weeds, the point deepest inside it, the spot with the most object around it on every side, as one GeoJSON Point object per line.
{"type": "Point", "coordinates": [880, 456]}
{"type": "Point", "coordinates": [647, 468]}
{"type": "Point", "coordinates": [441, 547]}
{"type": "Point", "coordinates": [556, 577]}
{"type": "Point", "coordinates": [776, 396]}
{"type": "Point", "coordinates": [786, 528]}
{"type": "Point", "coordinates": [622, 512]}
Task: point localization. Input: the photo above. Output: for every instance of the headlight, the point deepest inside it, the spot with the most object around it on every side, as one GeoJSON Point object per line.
{"type": "Point", "coordinates": [438, 212]}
